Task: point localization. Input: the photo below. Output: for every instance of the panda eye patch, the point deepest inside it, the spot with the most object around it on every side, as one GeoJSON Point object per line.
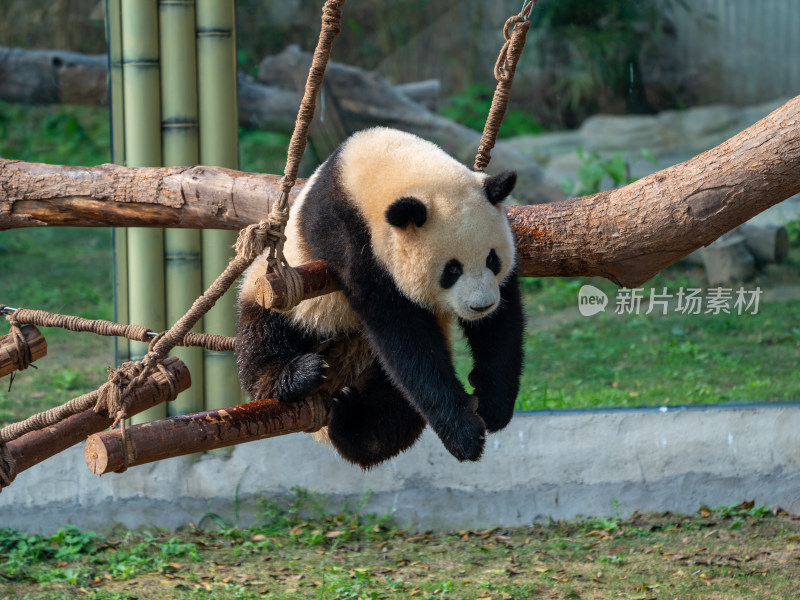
{"type": "Point", "coordinates": [450, 274]}
{"type": "Point", "coordinates": [493, 262]}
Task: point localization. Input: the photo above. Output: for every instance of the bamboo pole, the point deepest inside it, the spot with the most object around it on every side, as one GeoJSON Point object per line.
{"type": "Point", "coordinates": [117, 118]}
{"type": "Point", "coordinates": [141, 89]}
{"type": "Point", "coordinates": [216, 64]}
{"type": "Point", "coordinates": [177, 436]}
{"type": "Point", "coordinates": [36, 446]}
{"type": "Point", "coordinates": [182, 254]}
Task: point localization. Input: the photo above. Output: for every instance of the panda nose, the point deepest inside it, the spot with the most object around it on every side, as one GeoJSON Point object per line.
{"type": "Point", "coordinates": [482, 308]}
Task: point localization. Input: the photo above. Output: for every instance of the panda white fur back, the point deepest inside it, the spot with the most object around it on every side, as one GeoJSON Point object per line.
{"type": "Point", "coordinates": [414, 237]}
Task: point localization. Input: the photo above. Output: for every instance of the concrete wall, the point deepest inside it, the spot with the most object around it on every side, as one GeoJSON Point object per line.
{"type": "Point", "coordinates": [544, 465]}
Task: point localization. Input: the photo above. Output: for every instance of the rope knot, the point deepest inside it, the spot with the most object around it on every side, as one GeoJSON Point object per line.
{"type": "Point", "coordinates": [8, 466]}
{"type": "Point", "coordinates": [507, 60]}
{"type": "Point", "coordinates": [115, 395]}
{"type": "Point", "coordinates": [24, 354]}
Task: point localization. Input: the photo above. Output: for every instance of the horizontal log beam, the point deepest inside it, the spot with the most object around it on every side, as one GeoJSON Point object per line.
{"type": "Point", "coordinates": [177, 436]}
{"type": "Point", "coordinates": [626, 235]}
{"type": "Point", "coordinates": [36, 446]}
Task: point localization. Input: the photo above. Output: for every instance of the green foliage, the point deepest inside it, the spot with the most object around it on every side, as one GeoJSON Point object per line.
{"type": "Point", "coordinates": [595, 169]}
{"type": "Point", "coordinates": [262, 151]}
{"type": "Point", "coordinates": [24, 554]}
{"type": "Point", "coordinates": [471, 106]}
{"type": "Point", "coordinates": [793, 229]}
{"type": "Point", "coordinates": [597, 47]}
{"type": "Point", "coordinates": [67, 135]}
{"type": "Point", "coordinates": [747, 510]}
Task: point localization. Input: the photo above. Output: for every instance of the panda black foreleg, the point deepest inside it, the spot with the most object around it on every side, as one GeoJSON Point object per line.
{"type": "Point", "coordinates": [274, 357]}
{"type": "Point", "coordinates": [496, 342]}
{"type": "Point", "coordinates": [414, 353]}
{"type": "Point", "coordinates": [372, 422]}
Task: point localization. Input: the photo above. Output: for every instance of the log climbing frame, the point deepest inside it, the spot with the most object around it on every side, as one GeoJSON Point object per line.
{"type": "Point", "coordinates": [136, 386]}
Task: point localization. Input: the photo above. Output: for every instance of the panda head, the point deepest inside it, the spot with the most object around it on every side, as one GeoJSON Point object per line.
{"type": "Point", "coordinates": [452, 254]}
{"type": "Point", "coordinates": [437, 227]}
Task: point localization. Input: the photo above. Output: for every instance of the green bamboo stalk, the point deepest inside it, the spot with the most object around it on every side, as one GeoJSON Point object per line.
{"type": "Point", "coordinates": [182, 247]}
{"type": "Point", "coordinates": [141, 90]}
{"type": "Point", "coordinates": [216, 67]}
{"type": "Point", "coordinates": [116, 113]}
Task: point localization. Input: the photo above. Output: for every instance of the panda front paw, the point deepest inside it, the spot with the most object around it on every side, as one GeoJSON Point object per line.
{"type": "Point", "coordinates": [495, 405]}
{"type": "Point", "coordinates": [301, 377]}
{"type": "Point", "coordinates": [465, 436]}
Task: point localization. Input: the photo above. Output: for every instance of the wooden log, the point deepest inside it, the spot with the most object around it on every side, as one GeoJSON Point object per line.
{"type": "Point", "coordinates": [317, 279]}
{"type": "Point", "coordinates": [768, 243]}
{"type": "Point", "coordinates": [106, 452]}
{"type": "Point", "coordinates": [9, 358]}
{"type": "Point", "coordinates": [728, 260]}
{"type": "Point", "coordinates": [626, 235]}
{"type": "Point", "coordinates": [36, 446]}
{"type": "Point", "coordinates": [425, 92]}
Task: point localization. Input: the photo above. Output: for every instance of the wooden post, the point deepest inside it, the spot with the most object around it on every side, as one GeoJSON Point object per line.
{"type": "Point", "coordinates": [9, 359]}
{"type": "Point", "coordinates": [317, 277]}
{"type": "Point", "coordinates": [186, 434]}
{"type": "Point", "coordinates": [36, 446]}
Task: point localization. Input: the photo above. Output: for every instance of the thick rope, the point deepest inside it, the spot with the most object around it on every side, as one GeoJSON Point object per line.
{"type": "Point", "coordinates": [98, 326]}
{"type": "Point", "coordinates": [8, 467]}
{"type": "Point", "coordinates": [138, 333]}
{"type": "Point", "coordinates": [331, 27]}
{"type": "Point", "coordinates": [49, 417]}
{"type": "Point", "coordinates": [504, 70]}
{"type": "Point", "coordinates": [24, 356]}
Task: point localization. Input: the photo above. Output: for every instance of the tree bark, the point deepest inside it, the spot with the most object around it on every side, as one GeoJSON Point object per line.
{"type": "Point", "coordinates": [626, 235]}
{"type": "Point", "coordinates": [186, 434]}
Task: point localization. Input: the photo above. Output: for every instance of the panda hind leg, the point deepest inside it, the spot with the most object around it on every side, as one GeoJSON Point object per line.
{"type": "Point", "coordinates": [274, 357]}
{"type": "Point", "coordinates": [373, 422]}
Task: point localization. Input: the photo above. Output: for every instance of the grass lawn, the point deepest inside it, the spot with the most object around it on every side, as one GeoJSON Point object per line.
{"type": "Point", "coordinates": [736, 552]}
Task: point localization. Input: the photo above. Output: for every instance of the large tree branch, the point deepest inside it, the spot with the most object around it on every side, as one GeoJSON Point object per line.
{"type": "Point", "coordinates": [626, 235]}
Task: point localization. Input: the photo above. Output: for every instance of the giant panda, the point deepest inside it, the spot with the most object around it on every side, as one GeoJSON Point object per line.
{"type": "Point", "coordinates": [413, 238]}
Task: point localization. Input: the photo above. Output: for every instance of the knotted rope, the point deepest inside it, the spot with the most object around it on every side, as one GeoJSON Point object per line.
{"type": "Point", "coordinates": [24, 355]}
{"type": "Point", "coordinates": [42, 318]}
{"type": "Point", "coordinates": [504, 70]}
{"type": "Point", "coordinates": [98, 326]}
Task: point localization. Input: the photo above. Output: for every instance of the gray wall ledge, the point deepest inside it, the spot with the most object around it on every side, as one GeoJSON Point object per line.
{"type": "Point", "coordinates": [544, 465]}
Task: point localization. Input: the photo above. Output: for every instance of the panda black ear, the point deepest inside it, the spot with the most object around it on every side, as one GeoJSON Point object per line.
{"type": "Point", "coordinates": [499, 186]}
{"type": "Point", "coordinates": [406, 210]}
